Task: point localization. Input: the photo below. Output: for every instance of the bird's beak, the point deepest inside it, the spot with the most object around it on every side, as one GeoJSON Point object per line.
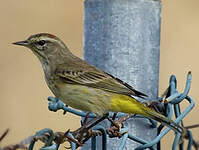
{"type": "Point", "coordinates": [23, 43]}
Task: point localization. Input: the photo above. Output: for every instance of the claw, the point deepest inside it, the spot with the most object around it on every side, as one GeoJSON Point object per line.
{"type": "Point", "coordinates": [83, 123]}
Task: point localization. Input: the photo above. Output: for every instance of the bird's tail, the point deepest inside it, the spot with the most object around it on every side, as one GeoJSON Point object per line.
{"type": "Point", "coordinates": [126, 104]}
{"type": "Point", "coordinates": [164, 120]}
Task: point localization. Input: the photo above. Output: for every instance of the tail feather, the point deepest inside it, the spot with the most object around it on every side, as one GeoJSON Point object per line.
{"type": "Point", "coordinates": [127, 104]}
{"type": "Point", "coordinates": [169, 123]}
{"type": "Point", "coordinates": [164, 120]}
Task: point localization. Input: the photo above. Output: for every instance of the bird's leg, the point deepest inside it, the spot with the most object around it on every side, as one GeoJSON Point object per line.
{"type": "Point", "coordinates": [153, 105]}
{"type": "Point", "coordinates": [84, 122]}
{"type": "Point", "coordinates": [113, 123]}
{"type": "Point", "coordinates": [114, 116]}
{"type": "Point", "coordinates": [158, 105]}
{"type": "Point", "coordinates": [98, 121]}
{"type": "Point", "coordinates": [85, 131]}
{"type": "Point", "coordinates": [112, 120]}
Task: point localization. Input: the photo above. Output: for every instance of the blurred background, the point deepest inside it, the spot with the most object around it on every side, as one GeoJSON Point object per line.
{"type": "Point", "coordinates": [23, 102]}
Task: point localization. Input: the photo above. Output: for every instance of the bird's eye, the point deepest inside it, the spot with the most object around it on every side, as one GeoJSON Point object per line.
{"type": "Point", "coordinates": [41, 42]}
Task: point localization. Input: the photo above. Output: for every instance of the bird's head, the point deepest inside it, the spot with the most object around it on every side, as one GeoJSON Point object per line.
{"type": "Point", "coordinates": [44, 45]}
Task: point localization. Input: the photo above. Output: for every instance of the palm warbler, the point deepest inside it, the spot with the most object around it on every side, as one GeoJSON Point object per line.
{"type": "Point", "coordinates": [83, 86]}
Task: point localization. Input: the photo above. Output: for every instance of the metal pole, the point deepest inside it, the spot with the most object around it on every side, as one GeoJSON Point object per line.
{"type": "Point", "coordinates": [122, 37]}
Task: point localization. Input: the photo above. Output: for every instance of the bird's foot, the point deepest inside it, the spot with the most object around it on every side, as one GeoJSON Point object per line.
{"type": "Point", "coordinates": [114, 130]}
{"type": "Point", "coordinates": [154, 105]}
{"type": "Point", "coordinates": [85, 132]}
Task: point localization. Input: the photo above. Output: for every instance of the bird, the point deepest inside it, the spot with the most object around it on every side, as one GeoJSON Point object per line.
{"type": "Point", "coordinates": [83, 86]}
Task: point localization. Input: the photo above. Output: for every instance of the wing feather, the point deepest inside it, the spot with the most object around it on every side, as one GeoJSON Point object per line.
{"type": "Point", "coordinates": [97, 79]}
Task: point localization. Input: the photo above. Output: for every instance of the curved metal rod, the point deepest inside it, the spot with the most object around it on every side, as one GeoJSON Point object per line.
{"type": "Point", "coordinates": [174, 98]}
{"type": "Point", "coordinates": [165, 131]}
{"type": "Point", "coordinates": [72, 144]}
{"type": "Point", "coordinates": [40, 133]}
{"type": "Point", "coordinates": [186, 90]}
{"type": "Point", "coordinates": [104, 136]}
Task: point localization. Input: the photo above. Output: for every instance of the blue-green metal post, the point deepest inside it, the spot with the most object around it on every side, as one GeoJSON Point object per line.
{"type": "Point", "coordinates": [122, 37]}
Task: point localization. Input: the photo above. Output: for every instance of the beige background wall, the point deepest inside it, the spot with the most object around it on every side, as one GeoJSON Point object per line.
{"type": "Point", "coordinates": [23, 104]}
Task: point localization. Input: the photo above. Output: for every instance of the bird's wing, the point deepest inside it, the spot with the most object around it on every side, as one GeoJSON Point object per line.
{"type": "Point", "coordinates": [96, 79]}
